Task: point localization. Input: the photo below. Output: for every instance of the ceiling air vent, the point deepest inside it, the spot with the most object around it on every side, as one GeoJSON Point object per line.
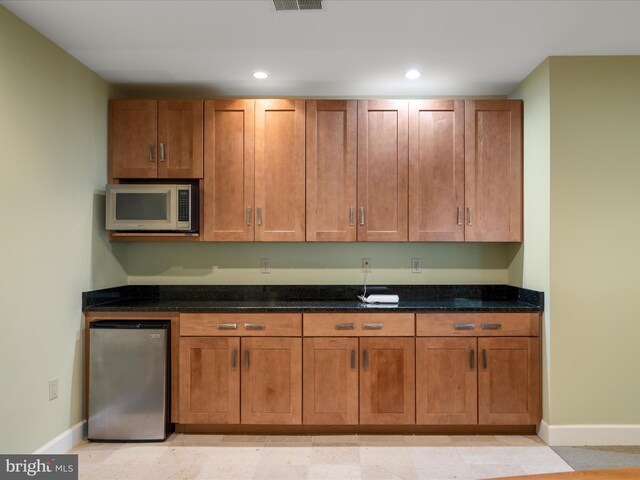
{"type": "Point", "coordinates": [298, 4]}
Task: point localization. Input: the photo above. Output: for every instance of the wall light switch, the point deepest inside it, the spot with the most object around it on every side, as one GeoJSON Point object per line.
{"type": "Point", "coordinates": [265, 265]}
{"type": "Point", "coordinates": [53, 389]}
{"type": "Point", "coordinates": [416, 265]}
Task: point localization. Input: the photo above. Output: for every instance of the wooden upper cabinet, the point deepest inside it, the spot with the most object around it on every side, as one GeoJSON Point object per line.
{"type": "Point", "coordinates": [280, 170]}
{"type": "Point", "coordinates": [331, 170]}
{"type": "Point", "coordinates": [330, 381]}
{"type": "Point", "coordinates": [382, 170]}
{"type": "Point", "coordinates": [229, 176]}
{"type": "Point", "coordinates": [436, 170]}
{"type": "Point", "coordinates": [509, 391]}
{"type": "Point", "coordinates": [155, 139]}
{"type": "Point", "coordinates": [271, 380]}
{"type": "Point", "coordinates": [180, 139]}
{"type": "Point", "coordinates": [446, 382]}
{"type": "Point", "coordinates": [387, 381]}
{"type": "Point", "coordinates": [209, 388]}
{"type": "Point", "coordinates": [133, 134]}
{"type": "Point", "coordinates": [493, 170]}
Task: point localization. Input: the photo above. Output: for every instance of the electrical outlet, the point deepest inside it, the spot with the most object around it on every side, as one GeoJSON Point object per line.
{"type": "Point", "coordinates": [53, 389]}
{"type": "Point", "coordinates": [265, 265]}
{"type": "Point", "coordinates": [366, 265]}
{"type": "Point", "coordinates": [416, 265]}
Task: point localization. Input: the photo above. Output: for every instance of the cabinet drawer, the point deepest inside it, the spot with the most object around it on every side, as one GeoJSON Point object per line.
{"type": "Point", "coordinates": [478, 324]}
{"type": "Point", "coordinates": [359, 324]}
{"type": "Point", "coordinates": [241, 324]}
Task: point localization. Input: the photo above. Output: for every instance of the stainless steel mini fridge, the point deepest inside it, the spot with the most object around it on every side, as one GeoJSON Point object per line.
{"type": "Point", "coordinates": [128, 366]}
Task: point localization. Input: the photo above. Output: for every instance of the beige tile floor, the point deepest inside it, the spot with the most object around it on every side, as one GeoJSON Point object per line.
{"type": "Point", "coordinates": [333, 457]}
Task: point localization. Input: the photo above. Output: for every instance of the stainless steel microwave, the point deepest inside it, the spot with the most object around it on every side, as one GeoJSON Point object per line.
{"type": "Point", "coordinates": [152, 208]}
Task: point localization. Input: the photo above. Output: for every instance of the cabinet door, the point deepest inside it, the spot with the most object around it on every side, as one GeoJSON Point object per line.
{"type": "Point", "coordinates": [279, 150]}
{"type": "Point", "coordinates": [271, 380]}
{"type": "Point", "coordinates": [228, 181]}
{"type": "Point", "coordinates": [330, 381]}
{"type": "Point", "coordinates": [382, 170]}
{"type": "Point", "coordinates": [331, 170]}
{"type": "Point", "coordinates": [387, 381]}
{"type": "Point", "coordinates": [436, 170]}
{"type": "Point", "coordinates": [133, 135]}
{"type": "Point", "coordinates": [509, 381]}
{"type": "Point", "coordinates": [180, 139]}
{"type": "Point", "coordinates": [446, 381]}
{"type": "Point", "coordinates": [493, 170]}
{"type": "Point", "coordinates": [209, 380]}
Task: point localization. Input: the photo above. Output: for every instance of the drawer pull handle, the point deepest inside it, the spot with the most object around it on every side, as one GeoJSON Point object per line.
{"type": "Point", "coordinates": [491, 326]}
{"type": "Point", "coordinates": [345, 326]}
{"type": "Point", "coordinates": [472, 359]}
{"type": "Point", "coordinates": [372, 326]}
{"type": "Point", "coordinates": [484, 359]}
{"type": "Point", "coordinates": [464, 326]}
{"type": "Point", "coordinates": [365, 359]}
{"type": "Point", "coordinates": [254, 326]}
{"type": "Point", "coordinates": [227, 326]}
{"type": "Point", "coordinates": [234, 357]}
{"type": "Point", "coordinates": [353, 359]}
{"type": "Point", "coordinates": [246, 358]}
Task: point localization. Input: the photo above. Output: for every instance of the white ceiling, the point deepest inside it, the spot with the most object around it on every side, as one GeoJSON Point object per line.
{"type": "Point", "coordinates": [352, 48]}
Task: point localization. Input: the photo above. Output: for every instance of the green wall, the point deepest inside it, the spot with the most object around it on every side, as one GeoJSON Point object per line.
{"type": "Point", "coordinates": [595, 256]}
{"type": "Point", "coordinates": [53, 144]}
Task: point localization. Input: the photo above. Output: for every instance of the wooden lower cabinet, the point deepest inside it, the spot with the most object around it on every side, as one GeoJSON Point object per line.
{"type": "Point", "coordinates": [387, 381]}
{"type": "Point", "coordinates": [330, 381]}
{"type": "Point", "coordinates": [509, 391]}
{"type": "Point", "coordinates": [446, 381]}
{"type": "Point", "coordinates": [209, 385]}
{"type": "Point", "coordinates": [271, 390]}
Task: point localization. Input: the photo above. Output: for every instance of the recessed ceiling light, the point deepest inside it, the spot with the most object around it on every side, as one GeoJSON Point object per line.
{"type": "Point", "coordinates": [412, 74]}
{"type": "Point", "coordinates": [260, 75]}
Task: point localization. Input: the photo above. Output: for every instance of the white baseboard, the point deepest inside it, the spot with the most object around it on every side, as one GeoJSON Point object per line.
{"type": "Point", "coordinates": [66, 440]}
{"type": "Point", "coordinates": [579, 435]}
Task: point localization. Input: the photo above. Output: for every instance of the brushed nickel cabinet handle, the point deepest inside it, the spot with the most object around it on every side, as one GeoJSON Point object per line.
{"type": "Point", "coordinates": [246, 358]}
{"type": "Point", "coordinates": [227, 326]}
{"type": "Point", "coordinates": [234, 358]}
{"type": "Point", "coordinates": [472, 359]}
{"type": "Point", "coordinates": [151, 159]}
{"type": "Point", "coordinates": [491, 326]}
{"type": "Point", "coordinates": [254, 326]}
{"type": "Point", "coordinates": [353, 359]}
{"type": "Point", "coordinates": [469, 222]}
{"type": "Point", "coordinates": [365, 359]}
{"type": "Point", "coordinates": [361, 215]}
{"type": "Point", "coordinates": [459, 216]}
{"type": "Point", "coordinates": [249, 216]}
{"type": "Point", "coordinates": [345, 326]}
{"type": "Point", "coordinates": [259, 216]}
{"type": "Point", "coordinates": [484, 359]}
{"type": "Point", "coordinates": [162, 152]}
{"type": "Point", "coordinates": [464, 326]}
{"type": "Point", "coordinates": [352, 214]}
{"type": "Point", "coordinates": [372, 326]}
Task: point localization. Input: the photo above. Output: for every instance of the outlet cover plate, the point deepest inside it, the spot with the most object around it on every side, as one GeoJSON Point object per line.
{"type": "Point", "coordinates": [416, 265]}
{"type": "Point", "coordinates": [53, 389]}
{"type": "Point", "coordinates": [265, 265]}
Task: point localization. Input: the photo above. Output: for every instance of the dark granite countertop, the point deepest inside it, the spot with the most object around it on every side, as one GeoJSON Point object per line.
{"type": "Point", "coordinates": [310, 298]}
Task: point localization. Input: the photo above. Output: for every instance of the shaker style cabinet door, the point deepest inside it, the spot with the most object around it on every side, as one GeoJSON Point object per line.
{"type": "Point", "coordinates": [133, 138]}
{"type": "Point", "coordinates": [330, 381]}
{"type": "Point", "coordinates": [382, 171]}
{"type": "Point", "coordinates": [209, 386]}
{"type": "Point", "coordinates": [493, 170]}
{"type": "Point", "coordinates": [509, 378]}
{"type": "Point", "coordinates": [436, 170]}
{"type": "Point", "coordinates": [387, 381]}
{"type": "Point", "coordinates": [279, 170]}
{"type": "Point", "coordinates": [331, 173]}
{"type": "Point", "coordinates": [180, 139]}
{"type": "Point", "coordinates": [446, 381]}
{"type": "Point", "coordinates": [229, 177]}
{"type": "Point", "coordinates": [271, 380]}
